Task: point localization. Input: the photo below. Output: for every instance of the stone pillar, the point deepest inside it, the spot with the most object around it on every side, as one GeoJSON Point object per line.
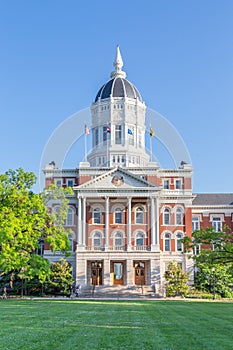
{"type": "Point", "coordinates": [130, 272]}
{"type": "Point", "coordinates": [152, 219]}
{"type": "Point", "coordinates": [129, 224]}
{"type": "Point", "coordinates": [79, 233]}
{"type": "Point", "coordinates": [157, 224]}
{"type": "Point", "coordinates": [154, 225]}
{"type": "Point", "coordinates": [106, 221]}
{"type": "Point", "coordinates": [106, 275]}
{"type": "Point", "coordinates": [84, 223]}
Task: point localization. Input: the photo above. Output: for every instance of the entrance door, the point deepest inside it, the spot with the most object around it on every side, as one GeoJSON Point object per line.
{"type": "Point", "coordinates": [139, 273]}
{"type": "Point", "coordinates": [96, 273]}
{"type": "Point", "coordinates": [118, 273]}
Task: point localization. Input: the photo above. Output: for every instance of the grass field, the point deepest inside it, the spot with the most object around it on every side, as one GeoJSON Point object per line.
{"type": "Point", "coordinates": [134, 325]}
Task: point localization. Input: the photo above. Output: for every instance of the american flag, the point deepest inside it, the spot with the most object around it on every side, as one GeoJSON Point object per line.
{"type": "Point", "coordinates": [86, 130]}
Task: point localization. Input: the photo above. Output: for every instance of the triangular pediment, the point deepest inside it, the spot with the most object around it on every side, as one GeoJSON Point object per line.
{"type": "Point", "coordinates": [117, 179]}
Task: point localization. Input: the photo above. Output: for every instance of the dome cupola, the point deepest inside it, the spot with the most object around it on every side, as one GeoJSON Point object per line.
{"type": "Point", "coordinates": [118, 123]}
{"type": "Point", "coordinates": [118, 86]}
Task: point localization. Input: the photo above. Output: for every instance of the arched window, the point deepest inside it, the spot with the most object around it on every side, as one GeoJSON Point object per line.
{"type": "Point", "coordinates": [178, 242]}
{"type": "Point", "coordinates": [118, 216]}
{"type": "Point", "coordinates": [70, 217]}
{"type": "Point", "coordinates": [59, 220]}
{"type": "Point", "coordinates": [139, 240]}
{"type": "Point", "coordinates": [97, 240]}
{"type": "Point", "coordinates": [166, 216]}
{"type": "Point", "coordinates": [139, 215]}
{"type": "Point", "coordinates": [179, 216]}
{"type": "Point", "coordinates": [118, 240]}
{"type": "Point", "coordinates": [167, 242]}
{"type": "Point", "coordinates": [97, 216]}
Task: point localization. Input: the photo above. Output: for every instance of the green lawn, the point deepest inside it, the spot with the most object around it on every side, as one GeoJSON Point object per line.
{"type": "Point", "coordinates": [71, 324]}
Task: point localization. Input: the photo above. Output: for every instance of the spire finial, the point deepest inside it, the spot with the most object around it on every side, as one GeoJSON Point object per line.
{"type": "Point", "coordinates": [118, 64]}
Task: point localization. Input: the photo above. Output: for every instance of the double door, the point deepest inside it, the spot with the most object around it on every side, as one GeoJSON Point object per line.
{"type": "Point", "coordinates": [96, 273]}
{"type": "Point", "coordinates": [139, 268]}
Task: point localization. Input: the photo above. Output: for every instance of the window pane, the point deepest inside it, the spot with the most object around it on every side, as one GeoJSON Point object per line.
{"type": "Point", "coordinates": [97, 216]}
{"type": "Point", "coordinates": [139, 216]}
{"type": "Point", "coordinates": [118, 134]}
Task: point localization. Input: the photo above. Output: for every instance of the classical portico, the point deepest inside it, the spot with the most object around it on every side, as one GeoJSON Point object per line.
{"type": "Point", "coordinates": [117, 223]}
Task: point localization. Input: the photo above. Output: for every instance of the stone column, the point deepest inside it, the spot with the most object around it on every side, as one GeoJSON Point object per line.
{"type": "Point", "coordinates": [106, 221]}
{"type": "Point", "coordinates": [154, 225]}
{"type": "Point", "coordinates": [152, 221]}
{"type": "Point", "coordinates": [84, 223]}
{"type": "Point", "coordinates": [129, 224]}
{"type": "Point", "coordinates": [106, 275]}
{"type": "Point", "coordinates": [79, 222]}
{"type": "Point", "coordinates": [157, 224]}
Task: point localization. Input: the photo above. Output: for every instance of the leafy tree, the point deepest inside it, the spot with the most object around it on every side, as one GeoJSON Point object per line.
{"type": "Point", "coordinates": [60, 280]}
{"type": "Point", "coordinates": [176, 280]}
{"type": "Point", "coordinates": [216, 247]}
{"type": "Point", "coordinates": [215, 279]}
{"type": "Point", "coordinates": [24, 220]}
{"type": "Point", "coordinates": [214, 262]}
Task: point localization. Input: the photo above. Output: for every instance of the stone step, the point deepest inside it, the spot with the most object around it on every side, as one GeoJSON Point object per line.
{"type": "Point", "coordinates": [116, 291]}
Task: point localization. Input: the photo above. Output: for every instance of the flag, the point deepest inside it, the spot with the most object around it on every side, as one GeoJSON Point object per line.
{"type": "Point", "coordinates": [108, 129]}
{"type": "Point", "coordinates": [152, 133]}
{"type": "Point", "coordinates": [130, 132]}
{"type": "Point", "coordinates": [86, 130]}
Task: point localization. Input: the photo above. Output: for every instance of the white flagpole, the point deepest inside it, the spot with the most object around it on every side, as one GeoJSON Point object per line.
{"type": "Point", "coordinates": [85, 146]}
{"type": "Point", "coordinates": [150, 144]}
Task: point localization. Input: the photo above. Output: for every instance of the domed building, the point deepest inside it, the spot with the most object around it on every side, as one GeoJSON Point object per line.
{"type": "Point", "coordinates": [118, 123]}
{"type": "Point", "coordinates": [127, 215]}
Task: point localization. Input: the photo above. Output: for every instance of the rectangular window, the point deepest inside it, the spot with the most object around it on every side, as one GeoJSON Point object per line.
{"type": "Point", "coordinates": [166, 184]}
{"type": "Point", "coordinates": [58, 182]}
{"type": "Point", "coordinates": [118, 134]}
{"type": "Point", "coordinates": [97, 217]}
{"type": "Point", "coordinates": [195, 223]}
{"type": "Point", "coordinates": [178, 184]}
{"type": "Point", "coordinates": [167, 245]}
{"type": "Point", "coordinates": [217, 224]}
{"type": "Point", "coordinates": [69, 182]}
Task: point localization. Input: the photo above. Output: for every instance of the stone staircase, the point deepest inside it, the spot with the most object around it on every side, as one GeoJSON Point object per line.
{"type": "Point", "coordinates": [118, 292]}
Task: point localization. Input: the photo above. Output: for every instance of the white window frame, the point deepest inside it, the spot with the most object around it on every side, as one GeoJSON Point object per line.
{"type": "Point", "coordinates": [70, 216]}
{"type": "Point", "coordinates": [179, 245]}
{"type": "Point", "coordinates": [118, 211]}
{"type": "Point", "coordinates": [58, 182]}
{"type": "Point", "coordinates": [97, 235]}
{"type": "Point", "coordinates": [139, 236]}
{"type": "Point", "coordinates": [167, 239]}
{"type": "Point", "coordinates": [139, 219]}
{"type": "Point", "coordinates": [195, 223]}
{"type": "Point", "coordinates": [118, 235]}
{"type": "Point", "coordinates": [179, 214]}
{"type": "Point", "coordinates": [217, 221]}
{"type": "Point", "coordinates": [98, 211]}
{"type": "Point", "coordinates": [166, 184]}
{"type": "Point", "coordinates": [167, 212]}
{"type": "Point", "coordinates": [180, 182]}
{"type": "Point", "coordinates": [69, 180]}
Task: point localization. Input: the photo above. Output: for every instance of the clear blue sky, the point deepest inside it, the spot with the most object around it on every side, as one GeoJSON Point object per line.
{"type": "Point", "coordinates": [56, 54]}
